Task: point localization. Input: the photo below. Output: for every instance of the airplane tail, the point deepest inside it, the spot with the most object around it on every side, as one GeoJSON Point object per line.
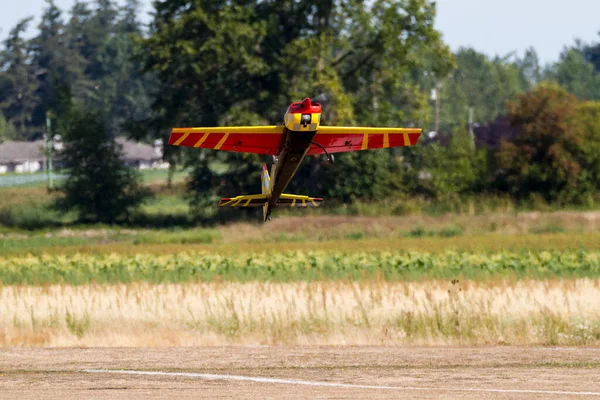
{"type": "Point", "coordinates": [296, 200]}
{"type": "Point", "coordinates": [262, 200]}
{"type": "Point", "coordinates": [265, 180]}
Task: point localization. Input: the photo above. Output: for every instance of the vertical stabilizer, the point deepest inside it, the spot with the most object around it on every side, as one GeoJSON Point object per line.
{"type": "Point", "coordinates": [266, 189]}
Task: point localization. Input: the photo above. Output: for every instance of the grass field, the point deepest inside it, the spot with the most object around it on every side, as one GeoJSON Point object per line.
{"type": "Point", "coordinates": [532, 230]}
{"type": "Point", "coordinates": [294, 266]}
{"type": "Point", "coordinates": [525, 278]}
{"type": "Point", "coordinates": [29, 209]}
{"type": "Point", "coordinates": [525, 312]}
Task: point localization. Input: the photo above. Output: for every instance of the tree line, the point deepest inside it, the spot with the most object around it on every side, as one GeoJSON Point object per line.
{"type": "Point", "coordinates": [209, 62]}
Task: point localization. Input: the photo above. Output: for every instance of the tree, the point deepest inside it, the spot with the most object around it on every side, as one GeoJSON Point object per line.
{"type": "Point", "coordinates": [18, 83]}
{"type": "Point", "coordinates": [7, 130]}
{"type": "Point", "coordinates": [60, 70]}
{"type": "Point", "coordinates": [99, 186]}
{"type": "Point", "coordinates": [577, 75]}
{"type": "Point", "coordinates": [531, 71]}
{"type": "Point", "coordinates": [80, 84]}
{"type": "Point", "coordinates": [481, 84]}
{"type": "Point", "coordinates": [359, 176]}
{"type": "Point", "coordinates": [545, 157]}
{"type": "Point", "coordinates": [123, 89]}
{"type": "Point", "coordinates": [454, 169]}
{"type": "Point", "coordinates": [587, 123]}
{"type": "Point", "coordinates": [592, 54]}
{"type": "Point", "coordinates": [213, 59]}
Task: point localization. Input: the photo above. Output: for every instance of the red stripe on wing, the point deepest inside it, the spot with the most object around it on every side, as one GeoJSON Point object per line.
{"type": "Point", "coordinates": [335, 143]}
{"type": "Point", "coordinates": [257, 143]}
{"type": "Point", "coordinates": [375, 141]}
{"type": "Point", "coordinates": [414, 138]}
{"type": "Point", "coordinates": [175, 136]}
{"type": "Point", "coordinates": [340, 142]}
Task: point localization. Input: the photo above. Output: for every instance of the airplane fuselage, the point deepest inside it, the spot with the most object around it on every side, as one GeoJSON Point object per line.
{"type": "Point", "coordinates": [301, 122]}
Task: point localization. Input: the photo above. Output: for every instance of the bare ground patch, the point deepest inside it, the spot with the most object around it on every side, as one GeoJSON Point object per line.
{"type": "Point", "coordinates": [419, 372]}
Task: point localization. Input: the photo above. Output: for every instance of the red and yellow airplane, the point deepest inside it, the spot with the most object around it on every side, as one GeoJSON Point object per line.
{"type": "Point", "coordinates": [300, 135]}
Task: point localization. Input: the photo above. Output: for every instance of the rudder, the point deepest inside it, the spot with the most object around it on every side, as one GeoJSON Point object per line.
{"type": "Point", "coordinates": [265, 179]}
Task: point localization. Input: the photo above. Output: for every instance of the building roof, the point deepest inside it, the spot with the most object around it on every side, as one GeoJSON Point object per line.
{"type": "Point", "coordinates": [137, 151]}
{"type": "Point", "coordinates": [18, 152]}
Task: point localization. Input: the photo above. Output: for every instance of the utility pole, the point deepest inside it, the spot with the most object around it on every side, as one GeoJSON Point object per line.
{"type": "Point", "coordinates": [471, 133]}
{"type": "Point", "coordinates": [438, 86]}
{"type": "Point", "coordinates": [49, 151]}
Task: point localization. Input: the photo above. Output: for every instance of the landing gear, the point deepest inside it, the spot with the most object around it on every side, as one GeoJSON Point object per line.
{"type": "Point", "coordinates": [330, 158]}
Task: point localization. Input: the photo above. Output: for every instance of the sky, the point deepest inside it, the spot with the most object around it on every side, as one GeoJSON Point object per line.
{"type": "Point", "coordinates": [494, 27]}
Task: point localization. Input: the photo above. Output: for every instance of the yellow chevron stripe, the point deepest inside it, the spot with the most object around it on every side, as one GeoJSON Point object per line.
{"type": "Point", "coordinates": [242, 130]}
{"type": "Point", "coordinates": [202, 139]}
{"type": "Point", "coordinates": [365, 143]}
{"type": "Point", "coordinates": [248, 202]}
{"type": "Point", "coordinates": [181, 139]}
{"type": "Point", "coordinates": [386, 140]}
{"type": "Point", "coordinates": [314, 203]}
{"type": "Point", "coordinates": [223, 139]}
{"type": "Point", "coordinates": [406, 139]}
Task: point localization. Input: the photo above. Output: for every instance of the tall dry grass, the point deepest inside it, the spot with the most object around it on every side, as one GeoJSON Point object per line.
{"type": "Point", "coordinates": [550, 312]}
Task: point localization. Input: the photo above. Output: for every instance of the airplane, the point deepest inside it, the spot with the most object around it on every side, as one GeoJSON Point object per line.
{"type": "Point", "coordinates": [300, 135]}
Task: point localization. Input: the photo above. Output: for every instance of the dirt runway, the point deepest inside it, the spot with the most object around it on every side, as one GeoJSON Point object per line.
{"type": "Point", "coordinates": [301, 372]}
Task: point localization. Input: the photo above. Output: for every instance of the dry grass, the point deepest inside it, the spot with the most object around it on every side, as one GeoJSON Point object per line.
{"type": "Point", "coordinates": [340, 227]}
{"type": "Point", "coordinates": [18, 196]}
{"type": "Point", "coordinates": [479, 243]}
{"type": "Point", "coordinates": [321, 313]}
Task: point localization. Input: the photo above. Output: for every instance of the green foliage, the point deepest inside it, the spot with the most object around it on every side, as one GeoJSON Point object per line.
{"type": "Point", "coordinates": [359, 176]}
{"type": "Point", "coordinates": [99, 187]}
{"type": "Point", "coordinates": [360, 59]}
{"type": "Point", "coordinates": [87, 59]}
{"type": "Point", "coordinates": [484, 85]}
{"type": "Point", "coordinates": [453, 170]}
{"type": "Point", "coordinates": [18, 85]}
{"type": "Point", "coordinates": [545, 156]}
{"type": "Point", "coordinates": [587, 123]}
{"type": "Point", "coordinates": [592, 54]}
{"type": "Point", "coordinates": [285, 266]}
{"type": "Point", "coordinates": [208, 63]}
{"type": "Point", "coordinates": [7, 130]}
{"type": "Point", "coordinates": [577, 75]}
{"type": "Point", "coordinates": [78, 326]}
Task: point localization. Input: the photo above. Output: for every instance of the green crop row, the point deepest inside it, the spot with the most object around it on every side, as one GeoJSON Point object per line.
{"type": "Point", "coordinates": [295, 266]}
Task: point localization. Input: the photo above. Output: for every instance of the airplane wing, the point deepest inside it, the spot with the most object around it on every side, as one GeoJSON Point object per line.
{"type": "Point", "coordinates": [340, 139]}
{"type": "Point", "coordinates": [244, 139]}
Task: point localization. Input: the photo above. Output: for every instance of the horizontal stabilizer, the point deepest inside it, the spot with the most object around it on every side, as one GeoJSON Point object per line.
{"type": "Point", "coordinates": [294, 200]}
{"type": "Point", "coordinates": [253, 200]}
{"type": "Point", "coordinates": [259, 200]}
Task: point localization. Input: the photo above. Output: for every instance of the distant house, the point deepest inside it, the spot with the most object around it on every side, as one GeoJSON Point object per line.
{"type": "Point", "coordinates": [22, 157]}
{"type": "Point", "coordinates": [141, 155]}
{"type": "Point", "coordinates": [28, 157]}
{"type": "Point", "coordinates": [487, 136]}
{"type": "Point", "coordinates": [490, 135]}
